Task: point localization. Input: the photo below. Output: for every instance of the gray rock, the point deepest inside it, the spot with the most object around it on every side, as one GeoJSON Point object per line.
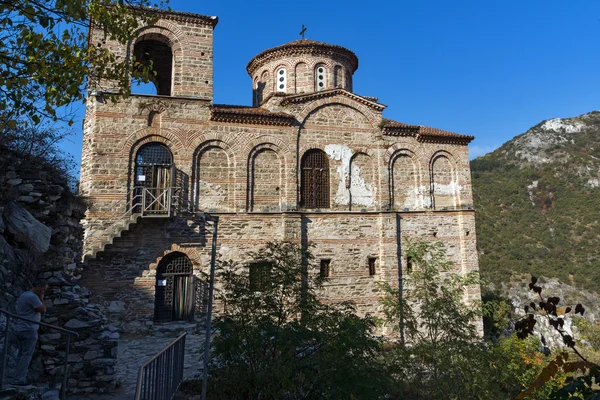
{"type": "Point", "coordinates": [49, 337]}
{"type": "Point", "coordinates": [78, 324]}
{"type": "Point", "coordinates": [25, 188]}
{"type": "Point", "coordinates": [116, 306]}
{"type": "Point", "coordinates": [15, 182]}
{"type": "Point", "coordinates": [27, 199]}
{"type": "Point", "coordinates": [76, 358]}
{"type": "Point", "coordinates": [26, 229]}
{"type": "Point", "coordinates": [7, 253]}
{"type": "Point", "coordinates": [51, 395]}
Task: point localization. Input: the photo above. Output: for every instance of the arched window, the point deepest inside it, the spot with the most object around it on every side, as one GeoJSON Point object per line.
{"type": "Point", "coordinates": [338, 76]}
{"type": "Point", "coordinates": [265, 171]}
{"type": "Point", "coordinates": [264, 89]}
{"type": "Point", "coordinates": [153, 174]}
{"type": "Point", "coordinates": [174, 294]}
{"type": "Point", "coordinates": [320, 77]}
{"type": "Point", "coordinates": [405, 188]}
{"type": "Point", "coordinates": [348, 81]}
{"type": "Point", "coordinates": [314, 186]}
{"type": "Point", "coordinates": [281, 80]}
{"type": "Point", "coordinates": [442, 182]}
{"type": "Point", "coordinates": [214, 180]}
{"type": "Point", "coordinates": [155, 50]}
{"type": "Point", "coordinates": [255, 92]}
{"type": "Point", "coordinates": [302, 78]}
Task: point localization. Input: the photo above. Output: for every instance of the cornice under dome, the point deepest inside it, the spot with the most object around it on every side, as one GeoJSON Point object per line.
{"type": "Point", "coordinates": [299, 47]}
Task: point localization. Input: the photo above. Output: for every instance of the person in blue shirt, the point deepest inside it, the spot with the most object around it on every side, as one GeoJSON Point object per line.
{"type": "Point", "coordinates": [30, 305]}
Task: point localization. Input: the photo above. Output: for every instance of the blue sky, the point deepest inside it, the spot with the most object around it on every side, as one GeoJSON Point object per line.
{"type": "Point", "coordinates": [488, 68]}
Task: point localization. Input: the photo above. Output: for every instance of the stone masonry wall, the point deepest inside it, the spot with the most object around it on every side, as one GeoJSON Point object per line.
{"type": "Point", "coordinates": [40, 236]}
{"type": "Point", "coordinates": [123, 277]}
{"type": "Point", "coordinates": [191, 41]}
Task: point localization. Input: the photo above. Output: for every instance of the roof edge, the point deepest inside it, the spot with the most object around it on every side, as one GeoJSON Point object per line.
{"type": "Point", "coordinates": [301, 46]}
{"type": "Point", "coordinates": [423, 134]}
{"type": "Point", "coordinates": [304, 97]}
{"type": "Point", "coordinates": [178, 15]}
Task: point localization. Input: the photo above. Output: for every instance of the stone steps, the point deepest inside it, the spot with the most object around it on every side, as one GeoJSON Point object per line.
{"type": "Point", "coordinates": [108, 237]}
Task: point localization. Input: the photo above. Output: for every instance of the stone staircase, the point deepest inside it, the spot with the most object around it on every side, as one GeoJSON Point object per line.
{"type": "Point", "coordinates": [98, 243]}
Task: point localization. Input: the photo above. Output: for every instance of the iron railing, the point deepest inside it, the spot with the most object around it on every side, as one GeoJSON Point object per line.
{"type": "Point", "coordinates": [63, 389]}
{"type": "Point", "coordinates": [159, 202]}
{"type": "Point", "coordinates": [145, 202]}
{"type": "Point", "coordinates": [160, 377]}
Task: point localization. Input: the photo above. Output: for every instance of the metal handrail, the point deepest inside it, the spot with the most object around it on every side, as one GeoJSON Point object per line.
{"type": "Point", "coordinates": [63, 389]}
{"type": "Point", "coordinates": [160, 377]}
{"type": "Point", "coordinates": [164, 198]}
{"type": "Point", "coordinates": [108, 215]}
{"type": "Point", "coordinates": [129, 211]}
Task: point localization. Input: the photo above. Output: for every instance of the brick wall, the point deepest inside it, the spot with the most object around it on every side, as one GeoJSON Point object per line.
{"type": "Point", "coordinates": [248, 171]}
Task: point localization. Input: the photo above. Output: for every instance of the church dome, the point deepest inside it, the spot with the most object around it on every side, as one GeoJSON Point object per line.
{"type": "Point", "coordinates": [301, 66]}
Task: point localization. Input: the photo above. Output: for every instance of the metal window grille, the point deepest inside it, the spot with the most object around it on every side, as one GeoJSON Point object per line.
{"type": "Point", "coordinates": [314, 190]}
{"type": "Point", "coordinates": [372, 261]}
{"type": "Point", "coordinates": [153, 154]}
{"type": "Point", "coordinates": [174, 296]}
{"type": "Point", "coordinates": [259, 276]}
{"type": "Point", "coordinates": [324, 270]}
{"type": "Point", "coordinates": [153, 170]}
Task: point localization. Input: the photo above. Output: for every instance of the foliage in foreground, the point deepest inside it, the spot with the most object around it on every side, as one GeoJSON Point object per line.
{"type": "Point", "coordinates": [279, 341]}
{"type": "Point", "coordinates": [45, 56]}
{"type": "Point", "coordinates": [584, 375]}
{"type": "Point", "coordinates": [276, 340]}
{"type": "Point", "coordinates": [442, 358]}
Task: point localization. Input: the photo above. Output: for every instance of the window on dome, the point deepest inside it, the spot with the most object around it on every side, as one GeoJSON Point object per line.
{"type": "Point", "coordinates": [281, 80]}
{"type": "Point", "coordinates": [320, 77]}
{"type": "Point", "coordinates": [338, 76]}
{"type": "Point", "coordinates": [348, 81]}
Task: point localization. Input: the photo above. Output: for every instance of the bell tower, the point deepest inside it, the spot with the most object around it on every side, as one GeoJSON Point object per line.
{"type": "Point", "coordinates": [180, 47]}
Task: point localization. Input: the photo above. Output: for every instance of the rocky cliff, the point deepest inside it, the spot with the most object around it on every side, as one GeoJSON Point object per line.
{"type": "Point", "coordinates": [40, 236]}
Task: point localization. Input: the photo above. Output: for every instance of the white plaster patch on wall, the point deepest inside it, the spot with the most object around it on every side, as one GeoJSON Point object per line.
{"type": "Point", "coordinates": [417, 198]}
{"type": "Point", "coordinates": [362, 194]}
{"type": "Point", "coordinates": [556, 124]}
{"type": "Point", "coordinates": [452, 188]}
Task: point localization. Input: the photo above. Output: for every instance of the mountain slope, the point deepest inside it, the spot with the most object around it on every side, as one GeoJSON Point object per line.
{"type": "Point", "coordinates": [538, 203]}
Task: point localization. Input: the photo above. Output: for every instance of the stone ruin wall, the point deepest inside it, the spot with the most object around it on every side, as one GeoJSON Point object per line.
{"type": "Point", "coordinates": [41, 236]}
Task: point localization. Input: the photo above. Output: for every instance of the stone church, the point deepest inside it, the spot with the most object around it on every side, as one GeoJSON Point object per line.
{"type": "Point", "coordinates": [310, 161]}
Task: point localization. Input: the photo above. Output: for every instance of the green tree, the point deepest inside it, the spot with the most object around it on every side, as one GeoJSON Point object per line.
{"type": "Point", "coordinates": [45, 57]}
{"type": "Point", "coordinates": [442, 357]}
{"type": "Point", "coordinates": [277, 340]}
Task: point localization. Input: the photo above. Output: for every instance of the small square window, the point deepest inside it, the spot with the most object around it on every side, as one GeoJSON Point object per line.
{"type": "Point", "coordinates": [259, 276]}
{"type": "Point", "coordinates": [372, 261]}
{"type": "Point", "coordinates": [324, 268]}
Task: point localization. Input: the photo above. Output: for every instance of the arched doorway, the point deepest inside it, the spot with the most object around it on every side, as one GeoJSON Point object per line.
{"type": "Point", "coordinates": [152, 181]}
{"type": "Point", "coordinates": [174, 295]}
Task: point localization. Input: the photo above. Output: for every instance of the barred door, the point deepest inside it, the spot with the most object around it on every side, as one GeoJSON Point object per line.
{"type": "Point", "coordinates": [314, 185]}
{"type": "Point", "coordinates": [153, 166]}
{"type": "Point", "coordinates": [174, 295]}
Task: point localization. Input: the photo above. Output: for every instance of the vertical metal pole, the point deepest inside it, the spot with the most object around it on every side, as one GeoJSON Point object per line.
{"type": "Point", "coordinates": [400, 276]}
{"type": "Point", "coordinates": [4, 352]}
{"type": "Point", "coordinates": [63, 389]}
{"type": "Point", "coordinates": [211, 288]}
